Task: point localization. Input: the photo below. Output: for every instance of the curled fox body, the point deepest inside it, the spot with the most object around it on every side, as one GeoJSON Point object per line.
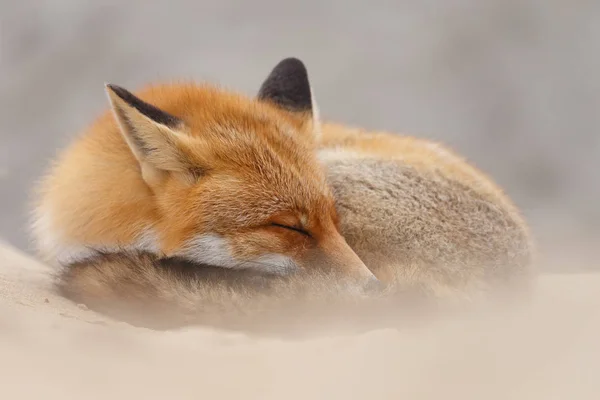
{"type": "Point", "coordinates": [259, 185]}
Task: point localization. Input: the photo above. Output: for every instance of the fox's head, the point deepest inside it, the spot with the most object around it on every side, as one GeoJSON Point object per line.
{"type": "Point", "coordinates": [235, 179]}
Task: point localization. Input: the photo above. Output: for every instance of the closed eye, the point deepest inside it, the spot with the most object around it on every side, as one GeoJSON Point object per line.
{"type": "Point", "coordinates": [292, 228]}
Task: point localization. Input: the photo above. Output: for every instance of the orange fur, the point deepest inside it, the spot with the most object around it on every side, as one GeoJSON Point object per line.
{"type": "Point", "coordinates": [232, 168]}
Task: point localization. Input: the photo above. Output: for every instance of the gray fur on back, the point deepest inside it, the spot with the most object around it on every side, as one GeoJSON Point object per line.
{"type": "Point", "coordinates": [425, 229]}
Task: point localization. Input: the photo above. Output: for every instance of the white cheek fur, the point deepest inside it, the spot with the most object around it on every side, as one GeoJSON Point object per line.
{"type": "Point", "coordinates": [214, 250]}
{"type": "Point", "coordinates": [208, 249]}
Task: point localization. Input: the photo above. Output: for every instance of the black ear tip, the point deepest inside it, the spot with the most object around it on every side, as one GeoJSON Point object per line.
{"type": "Point", "coordinates": [287, 86]}
{"type": "Point", "coordinates": [291, 66]}
{"type": "Point", "coordinates": [291, 61]}
{"type": "Point", "coordinates": [150, 111]}
{"type": "Point", "coordinates": [118, 90]}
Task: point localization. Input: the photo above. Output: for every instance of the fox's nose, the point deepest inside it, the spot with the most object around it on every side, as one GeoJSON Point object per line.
{"type": "Point", "coordinates": [374, 285]}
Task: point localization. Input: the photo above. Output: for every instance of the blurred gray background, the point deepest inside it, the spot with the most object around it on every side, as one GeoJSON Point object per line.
{"type": "Point", "coordinates": [514, 85]}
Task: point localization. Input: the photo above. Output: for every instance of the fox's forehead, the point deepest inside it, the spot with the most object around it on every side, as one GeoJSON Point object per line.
{"type": "Point", "coordinates": [212, 112]}
{"type": "Point", "coordinates": [232, 192]}
{"type": "Point", "coordinates": [259, 160]}
{"type": "Point", "coordinates": [257, 140]}
{"type": "Point", "coordinates": [249, 130]}
{"type": "Point", "coordinates": [228, 120]}
{"type": "Point", "coordinates": [280, 187]}
{"type": "Point", "coordinates": [248, 151]}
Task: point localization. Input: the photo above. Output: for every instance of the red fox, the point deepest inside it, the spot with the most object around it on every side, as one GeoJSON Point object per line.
{"type": "Point", "coordinates": [188, 178]}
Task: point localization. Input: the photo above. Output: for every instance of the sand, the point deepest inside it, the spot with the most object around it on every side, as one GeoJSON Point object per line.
{"type": "Point", "coordinates": [51, 348]}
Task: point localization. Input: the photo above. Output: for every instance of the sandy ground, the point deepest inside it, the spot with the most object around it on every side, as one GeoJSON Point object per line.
{"type": "Point", "coordinates": [51, 348]}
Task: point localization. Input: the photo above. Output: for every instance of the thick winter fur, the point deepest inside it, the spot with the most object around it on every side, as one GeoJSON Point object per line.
{"type": "Point", "coordinates": [184, 188]}
{"type": "Point", "coordinates": [147, 290]}
{"type": "Point", "coordinates": [199, 173]}
{"type": "Point", "coordinates": [419, 215]}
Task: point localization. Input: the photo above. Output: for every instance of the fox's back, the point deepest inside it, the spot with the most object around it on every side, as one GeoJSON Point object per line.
{"type": "Point", "coordinates": [418, 213]}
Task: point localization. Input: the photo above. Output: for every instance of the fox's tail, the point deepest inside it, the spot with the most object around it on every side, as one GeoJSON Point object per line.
{"type": "Point", "coordinates": [143, 289]}
{"type": "Point", "coordinates": [162, 293]}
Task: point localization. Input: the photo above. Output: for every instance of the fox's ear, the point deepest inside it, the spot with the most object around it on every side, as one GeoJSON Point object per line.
{"type": "Point", "coordinates": [154, 136]}
{"type": "Point", "coordinates": [288, 87]}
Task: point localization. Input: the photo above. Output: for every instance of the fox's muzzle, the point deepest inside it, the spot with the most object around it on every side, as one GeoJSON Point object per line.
{"type": "Point", "coordinates": [335, 255]}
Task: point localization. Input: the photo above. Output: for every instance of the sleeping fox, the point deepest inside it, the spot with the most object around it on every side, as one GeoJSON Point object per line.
{"type": "Point", "coordinates": [182, 187]}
